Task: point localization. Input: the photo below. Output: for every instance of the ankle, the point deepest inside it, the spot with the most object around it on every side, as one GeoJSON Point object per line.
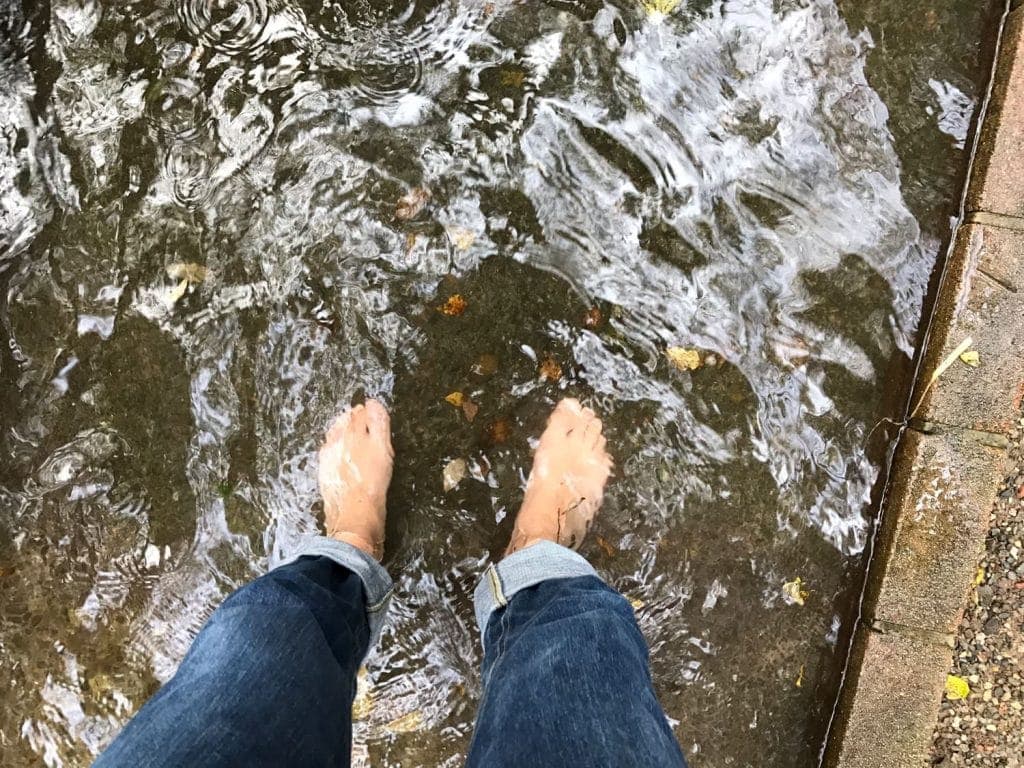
{"type": "Point", "coordinates": [371, 545]}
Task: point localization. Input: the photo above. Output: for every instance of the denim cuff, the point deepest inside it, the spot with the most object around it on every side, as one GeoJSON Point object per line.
{"type": "Point", "coordinates": [525, 568]}
{"type": "Point", "coordinates": [376, 582]}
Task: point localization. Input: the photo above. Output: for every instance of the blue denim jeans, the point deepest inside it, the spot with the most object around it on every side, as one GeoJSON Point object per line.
{"type": "Point", "coordinates": [270, 679]}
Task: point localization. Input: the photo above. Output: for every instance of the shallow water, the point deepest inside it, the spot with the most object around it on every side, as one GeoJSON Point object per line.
{"type": "Point", "coordinates": [769, 183]}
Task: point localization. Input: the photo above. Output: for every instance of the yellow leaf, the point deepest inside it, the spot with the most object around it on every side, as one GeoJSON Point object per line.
{"type": "Point", "coordinates": [176, 293]}
{"type": "Point", "coordinates": [663, 7]}
{"type": "Point", "coordinates": [363, 703]}
{"type": "Point", "coordinates": [971, 358]}
{"type": "Point", "coordinates": [800, 677]}
{"type": "Point", "coordinates": [979, 577]}
{"type": "Point", "coordinates": [794, 592]}
{"type": "Point", "coordinates": [462, 238]}
{"type": "Point", "coordinates": [956, 688]}
{"type": "Point", "coordinates": [950, 359]}
{"type": "Point", "coordinates": [455, 398]}
{"type": "Point", "coordinates": [408, 723]}
{"type": "Point", "coordinates": [637, 603]}
{"type": "Point", "coordinates": [190, 271]}
{"type": "Point", "coordinates": [684, 359]}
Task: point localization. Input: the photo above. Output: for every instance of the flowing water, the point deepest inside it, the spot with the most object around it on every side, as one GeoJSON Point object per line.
{"type": "Point", "coordinates": [216, 232]}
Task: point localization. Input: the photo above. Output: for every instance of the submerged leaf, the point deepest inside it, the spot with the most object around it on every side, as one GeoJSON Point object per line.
{"type": "Point", "coordinates": [190, 271]}
{"type": "Point", "coordinates": [794, 592]}
{"type": "Point", "coordinates": [462, 238]}
{"type": "Point", "coordinates": [663, 7]}
{"type": "Point", "coordinates": [470, 409]}
{"type": "Point", "coordinates": [605, 545]}
{"type": "Point", "coordinates": [684, 359]}
{"type": "Point", "coordinates": [455, 398]}
{"type": "Point", "coordinates": [363, 703]}
{"type": "Point", "coordinates": [486, 365]}
{"type": "Point", "coordinates": [592, 318]}
{"type": "Point", "coordinates": [177, 292]}
{"type": "Point", "coordinates": [550, 369]}
{"type": "Point", "coordinates": [411, 203]}
{"type": "Point", "coordinates": [454, 472]}
{"type": "Point", "coordinates": [499, 431]}
{"type": "Point", "coordinates": [454, 306]}
{"type": "Point", "coordinates": [407, 723]}
{"type": "Point", "coordinates": [957, 688]}
{"type": "Point", "coordinates": [800, 677]}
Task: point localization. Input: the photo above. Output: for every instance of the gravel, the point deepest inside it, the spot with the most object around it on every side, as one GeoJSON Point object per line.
{"type": "Point", "coordinates": [987, 728]}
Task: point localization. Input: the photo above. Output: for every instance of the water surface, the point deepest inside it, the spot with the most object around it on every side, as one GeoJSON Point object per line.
{"type": "Point", "coordinates": [205, 255]}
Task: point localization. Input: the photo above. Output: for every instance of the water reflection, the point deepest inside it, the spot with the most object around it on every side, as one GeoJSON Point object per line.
{"type": "Point", "coordinates": [204, 259]}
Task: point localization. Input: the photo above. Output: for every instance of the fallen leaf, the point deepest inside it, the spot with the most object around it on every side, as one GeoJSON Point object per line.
{"type": "Point", "coordinates": [800, 677]}
{"type": "Point", "coordinates": [470, 409]}
{"type": "Point", "coordinates": [455, 398]}
{"type": "Point", "coordinates": [410, 242]}
{"type": "Point", "coordinates": [363, 703]}
{"type": "Point", "coordinates": [407, 723]}
{"type": "Point", "coordinates": [486, 365]}
{"type": "Point", "coordinates": [605, 545]}
{"type": "Point", "coordinates": [454, 472]}
{"type": "Point", "coordinates": [663, 7]}
{"type": "Point", "coordinates": [190, 271]}
{"type": "Point", "coordinates": [971, 358]}
{"type": "Point", "coordinates": [592, 318]}
{"type": "Point", "coordinates": [454, 306]}
{"type": "Point", "coordinates": [979, 577]}
{"type": "Point", "coordinates": [684, 359]}
{"type": "Point", "coordinates": [411, 203]}
{"type": "Point", "coordinates": [637, 603]}
{"type": "Point", "coordinates": [941, 369]}
{"type": "Point", "coordinates": [550, 369]}
{"type": "Point", "coordinates": [499, 431]}
{"type": "Point", "coordinates": [177, 292]}
{"type": "Point", "coordinates": [489, 9]}
{"type": "Point", "coordinates": [461, 237]}
{"type": "Point", "coordinates": [957, 688]}
{"type": "Point", "coordinates": [512, 78]}
{"type": "Point", "coordinates": [794, 592]}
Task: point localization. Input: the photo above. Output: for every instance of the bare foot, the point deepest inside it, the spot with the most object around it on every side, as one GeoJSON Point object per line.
{"type": "Point", "coordinates": [566, 485]}
{"type": "Point", "coordinates": [355, 471]}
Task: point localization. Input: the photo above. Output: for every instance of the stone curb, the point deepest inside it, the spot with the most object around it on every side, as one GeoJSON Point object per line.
{"type": "Point", "coordinates": [949, 461]}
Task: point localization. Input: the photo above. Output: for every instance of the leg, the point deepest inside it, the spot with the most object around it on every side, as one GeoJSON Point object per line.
{"type": "Point", "coordinates": [566, 677]}
{"type": "Point", "coordinates": [271, 677]}
{"type": "Point", "coordinates": [269, 680]}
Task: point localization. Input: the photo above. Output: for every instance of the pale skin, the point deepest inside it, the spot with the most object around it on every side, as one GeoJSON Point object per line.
{"type": "Point", "coordinates": [564, 492]}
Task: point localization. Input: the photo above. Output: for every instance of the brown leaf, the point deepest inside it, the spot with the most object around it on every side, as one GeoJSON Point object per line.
{"type": "Point", "coordinates": [411, 203]}
{"type": "Point", "coordinates": [455, 398]}
{"type": "Point", "coordinates": [486, 365]}
{"type": "Point", "coordinates": [550, 369]}
{"type": "Point", "coordinates": [499, 431]}
{"type": "Point", "coordinates": [592, 318]}
{"type": "Point", "coordinates": [470, 409]}
{"type": "Point", "coordinates": [454, 306]}
{"type": "Point", "coordinates": [606, 546]}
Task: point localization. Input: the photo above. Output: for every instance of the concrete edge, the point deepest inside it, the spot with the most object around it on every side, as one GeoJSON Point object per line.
{"type": "Point", "coordinates": [949, 461]}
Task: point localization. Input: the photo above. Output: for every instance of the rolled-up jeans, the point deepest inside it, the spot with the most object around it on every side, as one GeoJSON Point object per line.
{"type": "Point", "coordinates": [270, 679]}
